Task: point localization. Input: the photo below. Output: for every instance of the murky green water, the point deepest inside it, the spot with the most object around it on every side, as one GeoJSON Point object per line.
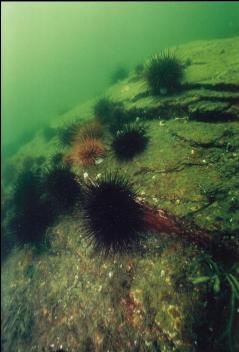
{"type": "Point", "coordinates": [57, 55]}
{"type": "Point", "coordinates": [120, 154]}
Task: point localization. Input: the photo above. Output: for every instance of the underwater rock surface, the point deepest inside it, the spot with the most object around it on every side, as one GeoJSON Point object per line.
{"type": "Point", "coordinates": [167, 295]}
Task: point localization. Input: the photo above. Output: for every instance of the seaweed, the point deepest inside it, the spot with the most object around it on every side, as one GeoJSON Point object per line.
{"type": "Point", "coordinates": [225, 285]}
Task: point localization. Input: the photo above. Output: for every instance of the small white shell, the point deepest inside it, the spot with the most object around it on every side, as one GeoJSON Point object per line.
{"type": "Point", "coordinates": [99, 161]}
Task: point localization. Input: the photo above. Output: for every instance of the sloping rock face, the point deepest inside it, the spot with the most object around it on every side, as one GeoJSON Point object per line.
{"type": "Point", "coordinates": [169, 295]}
{"type": "Point", "coordinates": [210, 92]}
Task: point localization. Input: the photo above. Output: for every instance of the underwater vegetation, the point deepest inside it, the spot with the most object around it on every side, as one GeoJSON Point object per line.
{"type": "Point", "coordinates": [131, 140]}
{"type": "Point", "coordinates": [162, 221]}
{"type": "Point", "coordinates": [33, 213]}
{"type": "Point", "coordinates": [113, 217]}
{"type": "Point", "coordinates": [87, 152]}
{"type": "Point", "coordinates": [61, 188]}
{"type": "Point", "coordinates": [119, 74]}
{"type": "Point", "coordinates": [224, 285]}
{"type": "Point", "coordinates": [22, 326]}
{"type": "Point", "coordinates": [67, 133]}
{"type": "Point", "coordinates": [164, 73]}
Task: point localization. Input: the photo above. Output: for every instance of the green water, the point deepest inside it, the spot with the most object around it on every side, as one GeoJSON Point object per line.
{"type": "Point", "coordinates": [55, 55]}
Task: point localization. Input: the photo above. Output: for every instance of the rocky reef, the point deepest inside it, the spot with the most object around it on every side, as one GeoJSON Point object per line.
{"type": "Point", "coordinates": [167, 294]}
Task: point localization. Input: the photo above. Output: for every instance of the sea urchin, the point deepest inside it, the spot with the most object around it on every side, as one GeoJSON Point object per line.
{"type": "Point", "coordinates": [164, 73]}
{"type": "Point", "coordinates": [32, 213]}
{"type": "Point", "coordinates": [91, 130]}
{"type": "Point", "coordinates": [61, 188]}
{"type": "Point", "coordinates": [131, 140]}
{"type": "Point", "coordinates": [113, 217]}
{"type": "Point", "coordinates": [87, 152]}
{"type": "Point", "coordinates": [67, 133]}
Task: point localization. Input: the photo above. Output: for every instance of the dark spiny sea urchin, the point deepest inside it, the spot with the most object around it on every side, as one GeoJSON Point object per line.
{"type": "Point", "coordinates": [113, 114]}
{"type": "Point", "coordinates": [57, 159]}
{"type": "Point", "coordinates": [119, 74]}
{"type": "Point", "coordinates": [61, 188]}
{"type": "Point", "coordinates": [131, 140]}
{"type": "Point", "coordinates": [67, 133]}
{"type": "Point", "coordinates": [105, 108]}
{"type": "Point", "coordinates": [113, 217]}
{"type": "Point", "coordinates": [120, 116]}
{"type": "Point", "coordinates": [164, 73]}
{"type": "Point", "coordinates": [32, 213]}
{"type": "Point", "coordinates": [39, 197]}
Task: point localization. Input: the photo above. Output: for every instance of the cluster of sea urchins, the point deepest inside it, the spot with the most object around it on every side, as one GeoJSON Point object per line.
{"type": "Point", "coordinates": [32, 213]}
{"type": "Point", "coordinates": [164, 73]}
{"type": "Point", "coordinates": [40, 196]}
